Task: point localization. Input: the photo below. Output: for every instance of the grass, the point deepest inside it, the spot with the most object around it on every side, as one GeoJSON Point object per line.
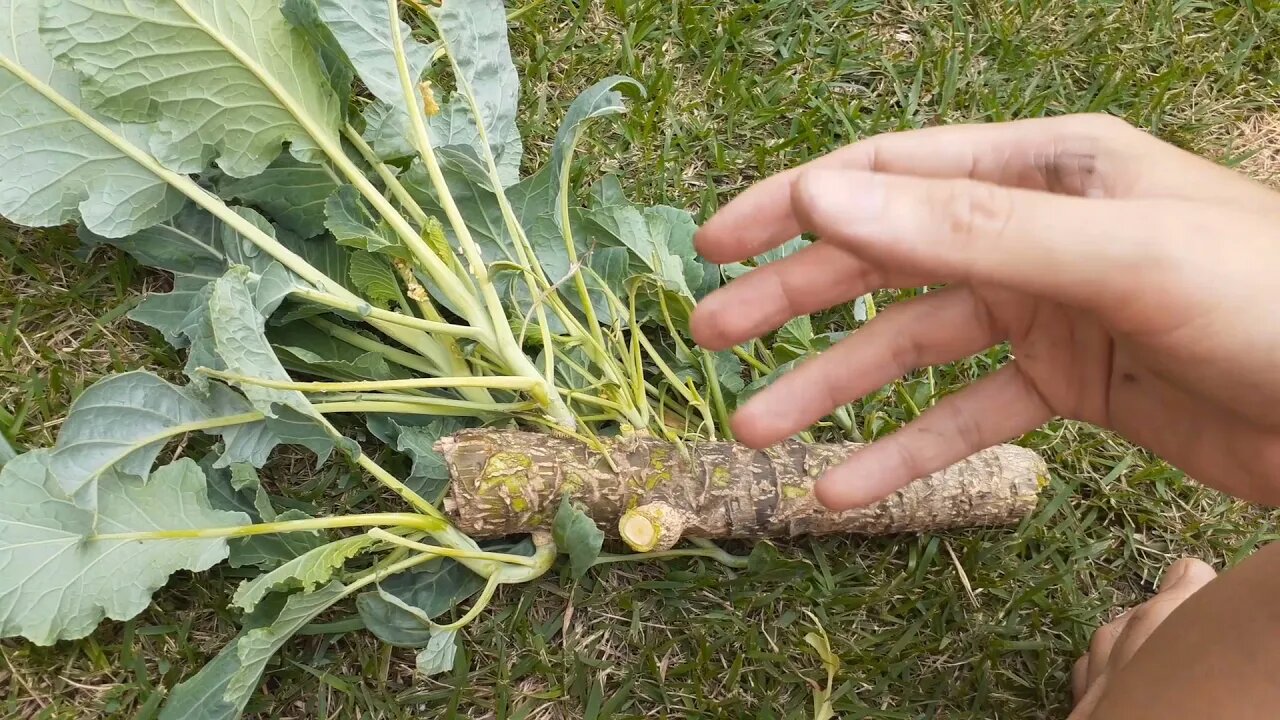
{"type": "Point", "coordinates": [957, 625]}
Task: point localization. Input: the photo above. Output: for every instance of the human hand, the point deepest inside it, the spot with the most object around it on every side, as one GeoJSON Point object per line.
{"type": "Point", "coordinates": [1136, 283]}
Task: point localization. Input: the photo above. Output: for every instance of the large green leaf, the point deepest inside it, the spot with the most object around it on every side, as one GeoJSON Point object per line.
{"type": "Point", "coordinates": [304, 15]}
{"type": "Point", "coordinates": [474, 34]}
{"type": "Point", "coordinates": [224, 80]}
{"type": "Point", "coordinates": [62, 164]}
{"type": "Point", "coordinates": [223, 687]}
{"type": "Point", "coordinates": [292, 192]}
{"type": "Point", "coordinates": [120, 423]}
{"type": "Point", "coordinates": [432, 590]}
{"type": "Point", "coordinates": [363, 31]}
{"type": "Point", "coordinates": [60, 582]}
{"type": "Point", "coordinates": [305, 571]}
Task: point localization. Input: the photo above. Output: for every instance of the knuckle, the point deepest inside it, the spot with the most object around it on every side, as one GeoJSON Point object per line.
{"type": "Point", "coordinates": [974, 210]}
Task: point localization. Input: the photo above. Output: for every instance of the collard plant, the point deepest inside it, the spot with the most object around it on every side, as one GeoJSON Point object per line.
{"type": "Point", "coordinates": [335, 188]}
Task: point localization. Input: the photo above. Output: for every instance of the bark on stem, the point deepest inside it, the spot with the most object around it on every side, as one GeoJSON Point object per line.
{"type": "Point", "coordinates": [506, 482]}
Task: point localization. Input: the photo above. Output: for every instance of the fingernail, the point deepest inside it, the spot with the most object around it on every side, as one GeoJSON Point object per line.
{"type": "Point", "coordinates": [840, 197]}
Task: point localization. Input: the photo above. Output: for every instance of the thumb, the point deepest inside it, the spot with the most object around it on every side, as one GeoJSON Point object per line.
{"type": "Point", "coordinates": [1074, 250]}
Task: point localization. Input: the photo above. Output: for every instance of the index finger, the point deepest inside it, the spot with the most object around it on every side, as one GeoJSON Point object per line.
{"type": "Point", "coordinates": [1059, 154]}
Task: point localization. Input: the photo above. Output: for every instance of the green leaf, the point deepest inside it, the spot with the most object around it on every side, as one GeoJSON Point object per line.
{"type": "Point", "coordinates": [236, 326]}
{"type": "Point", "coordinates": [120, 423]}
{"type": "Point", "coordinates": [60, 582]}
{"type": "Point", "coordinates": [376, 281]}
{"type": "Point", "coordinates": [252, 443]}
{"type": "Point", "coordinates": [476, 202]}
{"type": "Point", "coordinates": [263, 551]}
{"type": "Point", "coordinates": [735, 270]}
{"type": "Point", "coordinates": [292, 192]}
{"type": "Point", "coordinates": [235, 83]}
{"type": "Point", "coordinates": [729, 373]}
{"type": "Point", "coordinates": [798, 332]}
{"type": "Point", "coordinates": [305, 571]}
{"type": "Point", "coordinates": [197, 248]}
{"type": "Point", "coordinates": [307, 348]}
{"type": "Point", "coordinates": [354, 224]}
{"type": "Point", "coordinates": [474, 34]}
{"type": "Point", "coordinates": [432, 589]}
{"type": "Point", "coordinates": [223, 687]}
{"type": "Point", "coordinates": [239, 333]}
{"type": "Point", "coordinates": [429, 476]}
{"type": "Point", "coordinates": [599, 100]}
{"type": "Point", "coordinates": [439, 654]}
{"type": "Point", "coordinates": [60, 161]}
{"type": "Point", "coordinates": [577, 535]}
{"type": "Point", "coordinates": [363, 32]}
{"type": "Point", "coordinates": [303, 15]}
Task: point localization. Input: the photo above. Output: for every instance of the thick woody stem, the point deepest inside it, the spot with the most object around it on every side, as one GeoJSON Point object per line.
{"type": "Point", "coordinates": [650, 492]}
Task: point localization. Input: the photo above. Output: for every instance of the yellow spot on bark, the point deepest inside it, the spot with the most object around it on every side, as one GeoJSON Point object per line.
{"type": "Point", "coordinates": [518, 504]}
{"type": "Point", "coordinates": [720, 477]}
{"type": "Point", "coordinates": [653, 480]}
{"type": "Point", "coordinates": [573, 482]}
{"type": "Point", "coordinates": [507, 469]}
{"type": "Point", "coordinates": [794, 492]}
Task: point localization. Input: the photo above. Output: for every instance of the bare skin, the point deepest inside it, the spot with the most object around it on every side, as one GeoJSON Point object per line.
{"type": "Point", "coordinates": [1136, 285]}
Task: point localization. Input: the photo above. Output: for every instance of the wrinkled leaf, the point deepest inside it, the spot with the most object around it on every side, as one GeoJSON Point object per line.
{"type": "Point", "coordinates": [474, 34]}
{"type": "Point", "coordinates": [292, 192]}
{"type": "Point", "coordinates": [439, 654]}
{"type": "Point", "coordinates": [305, 571]}
{"type": "Point", "coordinates": [120, 423]}
{"type": "Point", "coordinates": [354, 224]}
{"type": "Point", "coordinates": [376, 281]}
{"type": "Point", "coordinates": [61, 163]}
{"type": "Point", "coordinates": [577, 535]}
{"type": "Point", "coordinates": [60, 582]}
{"type": "Point", "coordinates": [433, 589]}
{"type": "Point", "coordinates": [238, 330]}
{"type": "Point", "coordinates": [234, 47]}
